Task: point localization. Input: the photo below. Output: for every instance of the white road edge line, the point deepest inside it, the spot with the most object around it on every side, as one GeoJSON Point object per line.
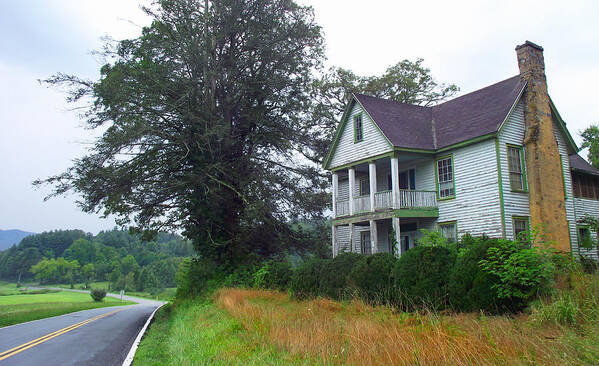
{"type": "Point", "coordinates": [129, 359]}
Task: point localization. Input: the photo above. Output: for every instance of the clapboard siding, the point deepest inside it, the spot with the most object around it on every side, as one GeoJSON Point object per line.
{"type": "Point", "coordinates": [424, 171]}
{"type": "Point", "coordinates": [343, 239]}
{"type": "Point", "coordinates": [515, 203]}
{"type": "Point", "coordinates": [569, 194]}
{"type": "Point", "coordinates": [585, 207]}
{"type": "Point", "coordinates": [476, 204]}
{"type": "Point", "coordinates": [373, 144]}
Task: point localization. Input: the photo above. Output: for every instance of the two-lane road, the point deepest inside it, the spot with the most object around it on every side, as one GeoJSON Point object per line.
{"type": "Point", "coordinates": [89, 337]}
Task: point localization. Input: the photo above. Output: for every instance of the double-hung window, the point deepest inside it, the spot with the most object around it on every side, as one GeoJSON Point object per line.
{"type": "Point", "coordinates": [358, 128]}
{"type": "Point", "coordinates": [445, 177]}
{"type": "Point", "coordinates": [516, 168]}
{"type": "Point", "coordinates": [449, 230]}
{"type": "Point", "coordinates": [520, 225]}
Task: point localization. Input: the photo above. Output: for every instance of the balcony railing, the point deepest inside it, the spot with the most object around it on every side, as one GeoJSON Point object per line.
{"type": "Point", "coordinates": [417, 199]}
{"type": "Point", "coordinates": [362, 203]}
{"type": "Point", "coordinates": [383, 199]}
{"type": "Point", "coordinates": [343, 208]}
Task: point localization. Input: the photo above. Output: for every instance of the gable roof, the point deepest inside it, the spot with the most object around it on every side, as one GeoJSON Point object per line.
{"type": "Point", "coordinates": [470, 117]}
{"type": "Point", "coordinates": [578, 163]}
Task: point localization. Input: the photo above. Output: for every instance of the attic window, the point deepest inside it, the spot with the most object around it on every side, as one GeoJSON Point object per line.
{"type": "Point", "coordinates": [358, 128]}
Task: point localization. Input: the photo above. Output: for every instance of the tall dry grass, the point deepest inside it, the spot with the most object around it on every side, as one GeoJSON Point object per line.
{"type": "Point", "coordinates": [333, 333]}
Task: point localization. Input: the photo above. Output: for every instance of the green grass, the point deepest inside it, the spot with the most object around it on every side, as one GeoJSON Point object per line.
{"type": "Point", "coordinates": [168, 294]}
{"type": "Point", "coordinates": [24, 307]}
{"type": "Point", "coordinates": [199, 333]}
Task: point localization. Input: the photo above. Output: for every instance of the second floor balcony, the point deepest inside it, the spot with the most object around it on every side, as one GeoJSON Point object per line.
{"type": "Point", "coordinates": [407, 199]}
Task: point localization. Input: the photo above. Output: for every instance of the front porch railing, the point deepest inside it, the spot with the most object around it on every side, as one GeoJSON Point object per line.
{"type": "Point", "coordinates": [417, 199]}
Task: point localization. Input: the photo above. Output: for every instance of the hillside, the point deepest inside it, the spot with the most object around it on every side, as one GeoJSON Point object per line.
{"type": "Point", "coordinates": [10, 237]}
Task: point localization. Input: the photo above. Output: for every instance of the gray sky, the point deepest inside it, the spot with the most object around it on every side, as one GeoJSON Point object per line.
{"type": "Point", "coordinates": [469, 43]}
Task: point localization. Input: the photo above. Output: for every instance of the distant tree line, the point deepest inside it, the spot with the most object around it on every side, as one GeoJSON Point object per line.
{"type": "Point", "coordinates": [72, 256]}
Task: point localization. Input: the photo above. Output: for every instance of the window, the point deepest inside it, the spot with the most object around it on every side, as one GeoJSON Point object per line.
{"type": "Point", "coordinates": [449, 230]}
{"type": "Point", "coordinates": [364, 186]}
{"type": "Point", "coordinates": [358, 128]}
{"type": "Point", "coordinates": [520, 225]}
{"type": "Point", "coordinates": [446, 187]}
{"type": "Point", "coordinates": [365, 245]}
{"type": "Point", "coordinates": [407, 179]}
{"type": "Point", "coordinates": [516, 168]}
{"type": "Point", "coordinates": [584, 237]}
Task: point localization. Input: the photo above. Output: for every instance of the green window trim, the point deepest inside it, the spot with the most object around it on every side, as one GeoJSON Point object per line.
{"type": "Point", "coordinates": [358, 128]}
{"type": "Point", "coordinates": [578, 236]}
{"type": "Point", "coordinates": [520, 218]}
{"type": "Point", "coordinates": [522, 166]}
{"type": "Point", "coordinates": [437, 185]}
{"type": "Point", "coordinates": [453, 223]}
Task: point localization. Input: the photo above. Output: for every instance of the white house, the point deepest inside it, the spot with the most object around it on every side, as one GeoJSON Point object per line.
{"type": "Point", "coordinates": [460, 167]}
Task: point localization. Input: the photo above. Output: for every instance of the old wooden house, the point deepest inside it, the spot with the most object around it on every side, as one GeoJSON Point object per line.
{"type": "Point", "coordinates": [496, 161]}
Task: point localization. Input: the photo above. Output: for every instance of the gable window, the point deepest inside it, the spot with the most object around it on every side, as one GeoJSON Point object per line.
{"type": "Point", "coordinates": [449, 230]}
{"type": "Point", "coordinates": [446, 187]}
{"type": "Point", "coordinates": [520, 225]}
{"type": "Point", "coordinates": [358, 128]}
{"type": "Point", "coordinates": [584, 237]}
{"type": "Point", "coordinates": [364, 187]}
{"type": "Point", "coordinates": [516, 168]}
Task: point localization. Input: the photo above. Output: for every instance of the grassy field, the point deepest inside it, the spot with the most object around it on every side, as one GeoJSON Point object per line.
{"type": "Point", "coordinates": [167, 294]}
{"type": "Point", "coordinates": [20, 306]}
{"type": "Point", "coordinates": [255, 327]}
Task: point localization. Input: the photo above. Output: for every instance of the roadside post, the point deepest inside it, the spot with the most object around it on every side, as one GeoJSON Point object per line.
{"type": "Point", "coordinates": [122, 293]}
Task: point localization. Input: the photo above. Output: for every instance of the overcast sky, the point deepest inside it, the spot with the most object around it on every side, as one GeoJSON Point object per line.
{"type": "Point", "coordinates": [470, 44]}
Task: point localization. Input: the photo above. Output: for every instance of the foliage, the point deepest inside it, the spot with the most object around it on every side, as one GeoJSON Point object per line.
{"type": "Point", "coordinates": [274, 275]}
{"type": "Point", "coordinates": [432, 238]}
{"type": "Point", "coordinates": [422, 275]}
{"type": "Point", "coordinates": [470, 287]}
{"type": "Point", "coordinates": [305, 280]}
{"type": "Point", "coordinates": [372, 278]}
{"type": "Point", "coordinates": [201, 120]}
{"type": "Point", "coordinates": [55, 270]}
{"type": "Point", "coordinates": [333, 281]}
{"type": "Point", "coordinates": [196, 276]}
{"type": "Point", "coordinates": [590, 139]}
{"type": "Point", "coordinates": [523, 271]}
{"type": "Point", "coordinates": [98, 294]}
{"type": "Point", "coordinates": [589, 265]}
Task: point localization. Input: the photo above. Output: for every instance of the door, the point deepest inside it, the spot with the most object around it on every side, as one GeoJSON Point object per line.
{"type": "Point", "coordinates": [405, 243]}
{"type": "Point", "coordinates": [365, 242]}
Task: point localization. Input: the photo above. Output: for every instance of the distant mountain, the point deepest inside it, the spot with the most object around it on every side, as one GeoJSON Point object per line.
{"type": "Point", "coordinates": [10, 237]}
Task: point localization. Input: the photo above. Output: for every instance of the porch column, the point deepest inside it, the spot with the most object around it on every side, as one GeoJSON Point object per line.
{"type": "Point", "coordinates": [351, 238]}
{"type": "Point", "coordinates": [335, 192]}
{"type": "Point", "coordinates": [334, 239]}
{"type": "Point", "coordinates": [352, 185]}
{"type": "Point", "coordinates": [373, 237]}
{"type": "Point", "coordinates": [372, 180]}
{"type": "Point", "coordinates": [395, 181]}
{"type": "Point", "coordinates": [396, 228]}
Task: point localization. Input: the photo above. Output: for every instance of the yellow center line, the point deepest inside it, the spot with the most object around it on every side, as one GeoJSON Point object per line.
{"type": "Point", "coordinates": [35, 342]}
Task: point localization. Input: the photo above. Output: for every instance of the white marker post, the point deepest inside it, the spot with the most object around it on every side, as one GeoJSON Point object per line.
{"type": "Point", "coordinates": [122, 293]}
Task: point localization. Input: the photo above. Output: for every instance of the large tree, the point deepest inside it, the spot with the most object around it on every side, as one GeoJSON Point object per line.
{"type": "Point", "coordinates": [406, 82]}
{"type": "Point", "coordinates": [202, 118]}
{"type": "Point", "coordinates": [590, 139]}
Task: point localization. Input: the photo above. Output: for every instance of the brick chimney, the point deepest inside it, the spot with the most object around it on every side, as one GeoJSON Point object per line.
{"type": "Point", "coordinates": [543, 168]}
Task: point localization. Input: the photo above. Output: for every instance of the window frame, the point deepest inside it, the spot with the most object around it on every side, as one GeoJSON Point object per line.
{"type": "Point", "coordinates": [363, 233]}
{"type": "Point", "coordinates": [449, 223]}
{"type": "Point", "coordinates": [437, 181]}
{"type": "Point", "coordinates": [521, 153]}
{"type": "Point", "coordinates": [578, 236]}
{"type": "Point", "coordinates": [526, 219]}
{"type": "Point", "coordinates": [361, 129]}
{"type": "Point", "coordinates": [367, 183]}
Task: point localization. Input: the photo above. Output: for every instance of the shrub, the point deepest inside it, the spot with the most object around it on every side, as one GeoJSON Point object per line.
{"type": "Point", "coordinates": [196, 276]}
{"type": "Point", "coordinates": [372, 278]}
{"type": "Point", "coordinates": [98, 294]}
{"type": "Point", "coordinates": [421, 275]}
{"type": "Point", "coordinates": [305, 280]}
{"type": "Point", "coordinates": [241, 276]}
{"type": "Point", "coordinates": [274, 275]}
{"type": "Point", "coordinates": [333, 277]}
{"type": "Point", "coordinates": [470, 287]}
{"type": "Point", "coordinates": [589, 265]}
{"type": "Point", "coordinates": [523, 271]}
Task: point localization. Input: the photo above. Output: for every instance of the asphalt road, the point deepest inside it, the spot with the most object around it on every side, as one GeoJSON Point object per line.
{"type": "Point", "coordinates": [105, 340]}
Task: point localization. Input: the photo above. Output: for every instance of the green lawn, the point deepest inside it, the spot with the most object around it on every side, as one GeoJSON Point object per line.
{"type": "Point", "coordinates": [24, 306]}
{"type": "Point", "coordinates": [167, 294]}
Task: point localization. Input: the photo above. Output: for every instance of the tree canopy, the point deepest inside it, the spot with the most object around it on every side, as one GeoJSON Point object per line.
{"type": "Point", "coordinates": [590, 140]}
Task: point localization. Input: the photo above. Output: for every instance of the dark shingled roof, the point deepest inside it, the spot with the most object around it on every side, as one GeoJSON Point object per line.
{"type": "Point", "coordinates": [578, 163]}
{"type": "Point", "coordinates": [472, 115]}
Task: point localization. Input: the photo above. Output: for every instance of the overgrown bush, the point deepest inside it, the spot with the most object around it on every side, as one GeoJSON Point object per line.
{"type": "Point", "coordinates": [372, 278]}
{"type": "Point", "coordinates": [242, 276]}
{"type": "Point", "coordinates": [589, 265]}
{"type": "Point", "coordinates": [333, 277]}
{"type": "Point", "coordinates": [421, 275]}
{"type": "Point", "coordinates": [470, 287]}
{"type": "Point", "coordinates": [523, 271]}
{"type": "Point", "coordinates": [98, 294]}
{"type": "Point", "coordinates": [305, 280]}
{"type": "Point", "coordinates": [273, 275]}
{"type": "Point", "coordinates": [197, 275]}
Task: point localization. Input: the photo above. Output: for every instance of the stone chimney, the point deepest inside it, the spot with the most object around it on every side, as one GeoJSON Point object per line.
{"type": "Point", "coordinates": [543, 168]}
